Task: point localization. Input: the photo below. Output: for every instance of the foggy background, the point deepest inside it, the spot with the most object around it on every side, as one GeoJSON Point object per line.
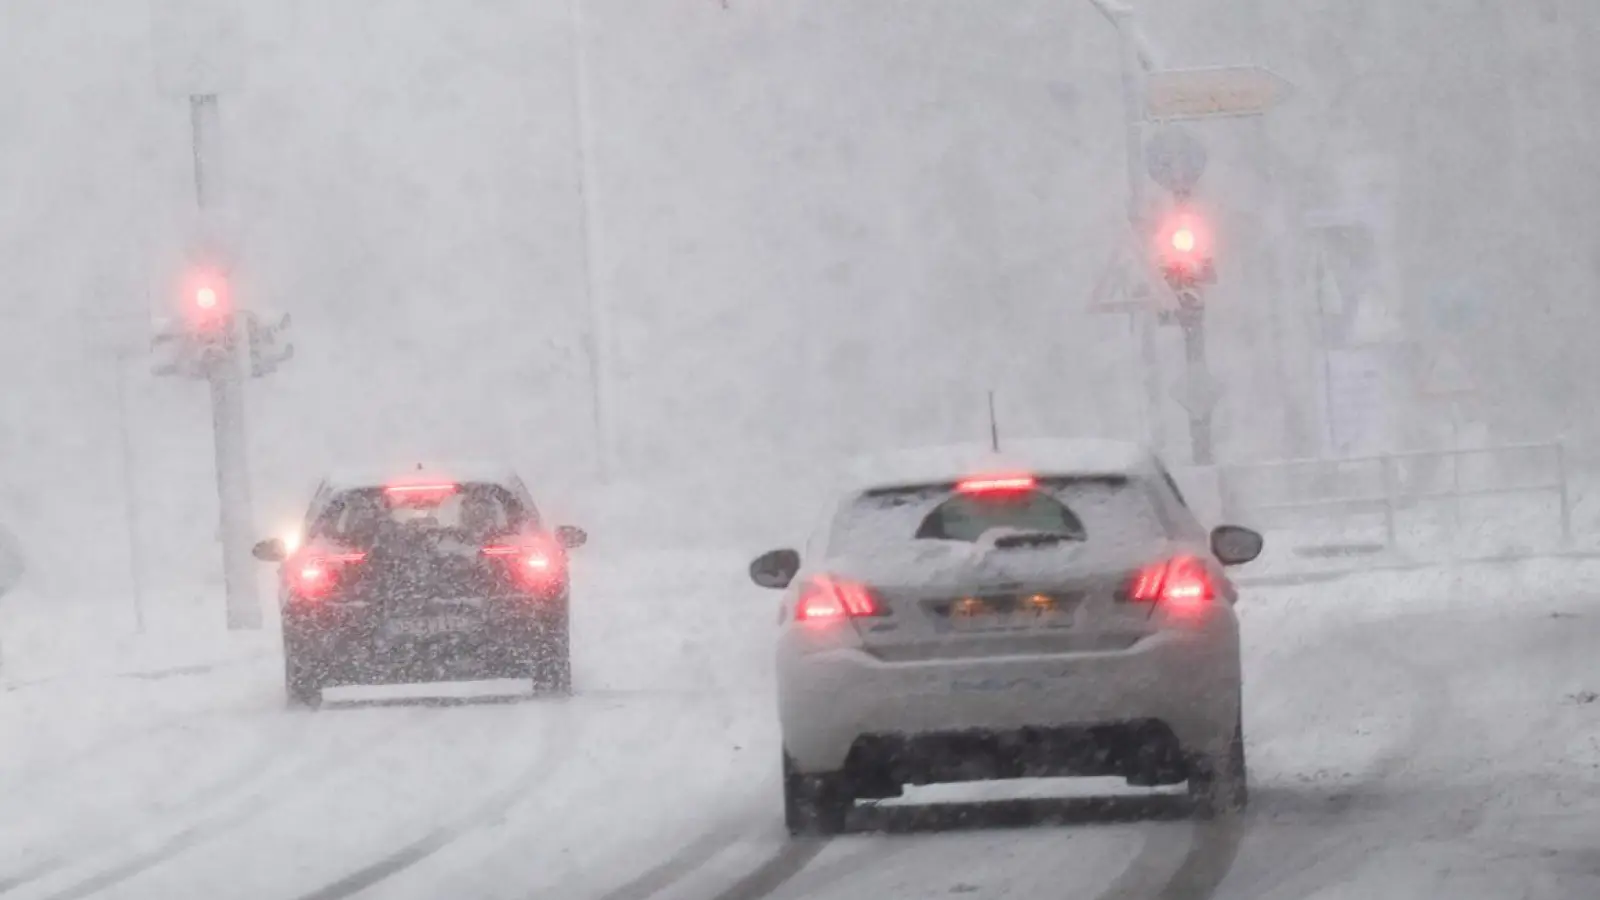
{"type": "Point", "coordinates": [823, 228]}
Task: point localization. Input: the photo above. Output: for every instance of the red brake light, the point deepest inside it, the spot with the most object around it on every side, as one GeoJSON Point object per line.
{"type": "Point", "coordinates": [995, 485]}
{"type": "Point", "coordinates": [539, 563]}
{"type": "Point", "coordinates": [1183, 584]}
{"type": "Point", "coordinates": [427, 494]}
{"type": "Point", "coordinates": [828, 599]}
{"type": "Point", "coordinates": [314, 575]}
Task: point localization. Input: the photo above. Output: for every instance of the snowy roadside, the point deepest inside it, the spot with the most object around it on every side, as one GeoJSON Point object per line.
{"type": "Point", "coordinates": [44, 639]}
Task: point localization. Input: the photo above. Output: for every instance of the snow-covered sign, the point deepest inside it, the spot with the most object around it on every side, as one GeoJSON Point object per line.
{"type": "Point", "coordinates": [1121, 286]}
{"type": "Point", "coordinates": [1357, 399]}
{"type": "Point", "coordinates": [1454, 307]}
{"type": "Point", "coordinates": [1175, 159]}
{"type": "Point", "coordinates": [1214, 92]}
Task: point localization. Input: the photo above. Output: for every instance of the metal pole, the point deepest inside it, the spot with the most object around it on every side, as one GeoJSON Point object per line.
{"type": "Point", "coordinates": [1133, 62]}
{"type": "Point", "coordinates": [600, 334]}
{"type": "Point", "coordinates": [227, 399]}
{"type": "Point", "coordinates": [1192, 318]}
{"type": "Point", "coordinates": [1566, 501]}
{"type": "Point", "coordinates": [130, 498]}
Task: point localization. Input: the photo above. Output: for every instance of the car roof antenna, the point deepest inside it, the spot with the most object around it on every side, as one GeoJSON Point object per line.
{"type": "Point", "coordinates": [994, 425]}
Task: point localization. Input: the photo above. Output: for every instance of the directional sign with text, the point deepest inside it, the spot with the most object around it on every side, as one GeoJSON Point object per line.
{"type": "Point", "coordinates": [1213, 93]}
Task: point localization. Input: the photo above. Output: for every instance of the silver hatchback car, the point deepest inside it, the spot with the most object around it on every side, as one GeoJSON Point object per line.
{"type": "Point", "coordinates": [1056, 611]}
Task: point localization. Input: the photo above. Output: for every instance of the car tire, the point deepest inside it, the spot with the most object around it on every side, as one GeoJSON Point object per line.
{"type": "Point", "coordinates": [552, 663]}
{"type": "Point", "coordinates": [302, 690]}
{"type": "Point", "coordinates": [815, 805]}
{"type": "Point", "coordinates": [1221, 785]}
{"type": "Point", "coordinates": [555, 675]}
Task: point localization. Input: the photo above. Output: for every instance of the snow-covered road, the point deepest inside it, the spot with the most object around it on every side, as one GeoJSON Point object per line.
{"type": "Point", "coordinates": [1421, 735]}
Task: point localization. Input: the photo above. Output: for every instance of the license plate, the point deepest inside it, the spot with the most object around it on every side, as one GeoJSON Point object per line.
{"type": "Point", "coordinates": [1010, 613]}
{"type": "Point", "coordinates": [432, 626]}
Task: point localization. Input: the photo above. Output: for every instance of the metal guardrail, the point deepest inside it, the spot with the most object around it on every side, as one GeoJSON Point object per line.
{"type": "Point", "coordinates": [1390, 495]}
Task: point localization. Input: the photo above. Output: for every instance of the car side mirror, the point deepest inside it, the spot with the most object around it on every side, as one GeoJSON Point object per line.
{"type": "Point", "coordinates": [775, 569]}
{"type": "Point", "coordinates": [270, 550]}
{"type": "Point", "coordinates": [1233, 545]}
{"type": "Point", "coordinates": [571, 536]}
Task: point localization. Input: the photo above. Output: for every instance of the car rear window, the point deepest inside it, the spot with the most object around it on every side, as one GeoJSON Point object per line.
{"type": "Point", "coordinates": [473, 510]}
{"type": "Point", "coordinates": [1109, 509]}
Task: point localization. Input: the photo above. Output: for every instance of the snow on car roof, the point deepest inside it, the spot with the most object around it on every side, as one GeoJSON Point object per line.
{"type": "Point", "coordinates": [378, 475]}
{"type": "Point", "coordinates": [1079, 456]}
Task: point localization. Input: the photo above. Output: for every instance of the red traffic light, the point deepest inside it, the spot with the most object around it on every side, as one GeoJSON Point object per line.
{"type": "Point", "coordinates": [1183, 247]}
{"type": "Point", "coordinates": [205, 297]}
{"type": "Point", "coordinates": [1184, 240]}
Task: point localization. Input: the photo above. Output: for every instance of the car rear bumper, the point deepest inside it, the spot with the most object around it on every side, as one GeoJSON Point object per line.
{"type": "Point", "coordinates": [837, 701]}
{"type": "Point", "coordinates": [331, 646]}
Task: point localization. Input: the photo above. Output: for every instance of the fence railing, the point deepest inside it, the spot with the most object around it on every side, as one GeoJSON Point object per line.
{"type": "Point", "coordinates": [1384, 493]}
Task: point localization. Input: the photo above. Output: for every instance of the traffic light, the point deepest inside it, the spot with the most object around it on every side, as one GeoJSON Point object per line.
{"type": "Point", "coordinates": [207, 302]}
{"type": "Point", "coordinates": [1184, 249]}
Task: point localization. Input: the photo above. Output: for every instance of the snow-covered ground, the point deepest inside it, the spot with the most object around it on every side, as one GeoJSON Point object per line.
{"type": "Point", "coordinates": [1412, 735]}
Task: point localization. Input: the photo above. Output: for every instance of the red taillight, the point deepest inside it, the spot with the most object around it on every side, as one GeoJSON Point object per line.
{"type": "Point", "coordinates": [827, 599]}
{"type": "Point", "coordinates": [425, 494]}
{"type": "Point", "coordinates": [1182, 584]}
{"type": "Point", "coordinates": [313, 576]}
{"type": "Point", "coordinates": [1006, 484]}
{"type": "Point", "coordinates": [538, 563]}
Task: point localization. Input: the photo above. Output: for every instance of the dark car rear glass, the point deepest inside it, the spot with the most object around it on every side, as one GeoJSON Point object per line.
{"type": "Point", "coordinates": [1099, 509]}
{"type": "Point", "coordinates": [965, 517]}
{"type": "Point", "coordinates": [474, 510]}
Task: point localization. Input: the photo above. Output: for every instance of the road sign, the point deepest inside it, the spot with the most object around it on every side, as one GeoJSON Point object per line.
{"type": "Point", "coordinates": [1454, 308]}
{"type": "Point", "coordinates": [1122, 286]}
{"type": "Point", "coordinates": [1358, 398]}
{"type": "Point", "coordinates": [1175, 159]}
{"type": "Point", "coordinates": [1213, 93]}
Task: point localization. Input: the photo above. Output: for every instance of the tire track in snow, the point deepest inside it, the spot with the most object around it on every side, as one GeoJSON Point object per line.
{"type": "Point", "coordinates": [254, 768]}
{"type": "Point", "coordinates": [547, 759]}
{"type": "Point", "coordinates": [1321, 864]}
{"type": "Point", "coordinates": [772, 874]}
{"type": "Point", "coordinates": [819, 877]}
{"type": "Point", "coordinates": [680, 865]}
{"type": "Point", "coordinates": [1190, 863]}
{"type": "Point", "coordinates": [316, 767]}
{"type": "Point", "coordinates": [117, 742]}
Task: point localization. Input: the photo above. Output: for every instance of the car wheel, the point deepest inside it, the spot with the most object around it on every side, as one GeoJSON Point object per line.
{"type": "Point", "coordinates": [552, 664]}
{"type": "Point", "coordinates": [1221, 786]}
{"type": "Point", "coordinates": [302, 689]}
{"type": "Point", "coordinates": [814, 805]}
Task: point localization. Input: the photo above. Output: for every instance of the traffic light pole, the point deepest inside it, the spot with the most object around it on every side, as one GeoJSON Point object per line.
{"type": "Point", "coordinates": [225, 375]}
{"type": "Point", "coordinates": [1192, 319]}
{"type": "Point", "coordinates": [1136, 58]}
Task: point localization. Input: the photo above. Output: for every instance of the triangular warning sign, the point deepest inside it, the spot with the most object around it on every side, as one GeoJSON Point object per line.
{"type": "Point", "coordinates": [1121, 285]}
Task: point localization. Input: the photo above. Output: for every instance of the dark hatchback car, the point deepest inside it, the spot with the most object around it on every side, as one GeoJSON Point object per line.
{"type": "Point", "coordinates": [424, 579]}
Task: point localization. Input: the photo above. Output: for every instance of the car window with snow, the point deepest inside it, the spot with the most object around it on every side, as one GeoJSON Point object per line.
{"type": "Point", "coordinates": [1101, 510]}
{"type": "Point", "coordinates": [361, 515]}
